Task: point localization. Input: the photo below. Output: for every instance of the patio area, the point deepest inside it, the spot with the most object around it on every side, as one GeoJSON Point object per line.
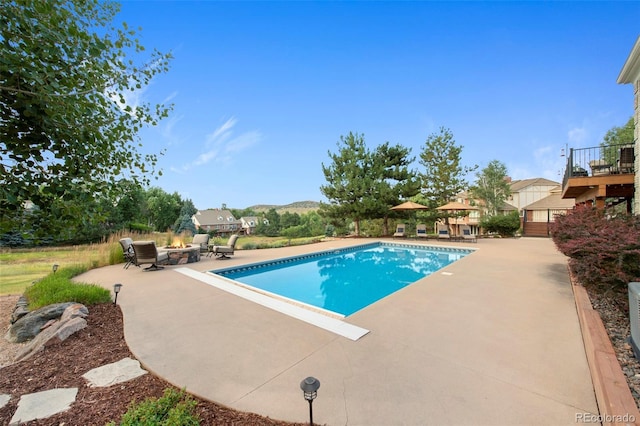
{"type": "Point", "coordinates": [491, 339]}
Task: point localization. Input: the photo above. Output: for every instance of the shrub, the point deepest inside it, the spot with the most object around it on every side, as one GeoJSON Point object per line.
{"type": "Point", "coordinates": [330, 231]}
{"type": "Point", "coordinates": [58, 288]}
{"type": "Point", "coordinates": [298, 231]}
{"type": "Point", "coordinates": [604, 252]}
{"type": "Point", "coordinates": [174, 408]}
{"type": "Point", "coordinates": [249, 246]}
{"type": "Point", "coordinates": [139, 227]}
{"type": "Point", "coordinates": [505, 225]}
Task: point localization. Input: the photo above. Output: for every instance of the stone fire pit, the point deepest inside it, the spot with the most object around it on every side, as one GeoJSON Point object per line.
{"type": "Point", "coordinates": [182, 255]}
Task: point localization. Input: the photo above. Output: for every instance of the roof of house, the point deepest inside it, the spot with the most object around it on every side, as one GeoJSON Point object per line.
{"type": "Point", "coordinates": [214, 217]}
{"type": "Point", "coordinates": [553, 201]}
{"type": "Point", "coordinates": [249, 220]}
{"type": "Point", "coordinates": [506, 207]}
{"type": "Point", "coordinates": [631, 68]}
{"type": "Point", "coordinates": [518, 185]}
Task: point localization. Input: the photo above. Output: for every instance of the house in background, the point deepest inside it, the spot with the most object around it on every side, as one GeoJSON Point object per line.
{"type": "Point", "coordinates": [538, 216]}
{"type": "Point", "coordinates": [219, 221]}
{"type": "Point", "coordinates": [527, 191]}
{"type": "Point", "coordinates": [630, 74]}
{"type": "Point", "coordinates": [249, 224]}
{"type": "Point", "coordinates": [538, 201]}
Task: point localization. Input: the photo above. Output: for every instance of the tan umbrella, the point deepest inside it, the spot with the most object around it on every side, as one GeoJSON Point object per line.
{"type": "Point", "coordinates": [454, 205]}
{"type": "Point", "coordinates": [409, 205]}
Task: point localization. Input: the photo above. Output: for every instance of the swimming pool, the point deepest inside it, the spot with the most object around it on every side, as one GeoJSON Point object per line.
{"type": "Point", "coordinates": [343, 281]}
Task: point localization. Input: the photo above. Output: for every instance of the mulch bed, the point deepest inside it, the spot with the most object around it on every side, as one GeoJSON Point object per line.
{"type": "Point", "coordinates": [62, 364]}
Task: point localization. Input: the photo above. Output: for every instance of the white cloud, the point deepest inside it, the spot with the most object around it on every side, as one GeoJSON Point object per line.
{"type": "Point", "coordinates": [166, 128]}
{"type": "Point", "coordinates": [169, 98]}
{"type": "Point", "coordinates": [546, 163]}
{"type": "Point", "coordinates": [577, 136]}
{"type": "Point", "coordinates": [222, 147]}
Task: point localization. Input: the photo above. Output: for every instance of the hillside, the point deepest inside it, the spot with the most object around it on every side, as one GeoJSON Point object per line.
{"type": "Point", "coordinates": [297, 207]}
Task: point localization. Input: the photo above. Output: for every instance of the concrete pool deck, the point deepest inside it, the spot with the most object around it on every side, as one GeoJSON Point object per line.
{"type": "Point", "coordinates": [492, 339]}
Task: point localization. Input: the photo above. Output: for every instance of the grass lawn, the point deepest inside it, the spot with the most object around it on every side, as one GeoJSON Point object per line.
{"type": "Point", "coordinates": [19, 268]}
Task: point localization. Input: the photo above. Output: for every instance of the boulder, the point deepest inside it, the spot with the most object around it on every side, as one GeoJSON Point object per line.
{"type": "Point", "coordinates": [71, 320]}
{"type": "Point", "coordinates": [28, 326]}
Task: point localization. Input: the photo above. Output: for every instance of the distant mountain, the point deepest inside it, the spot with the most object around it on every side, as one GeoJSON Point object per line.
{"type": "Point", "coordinates": [297, 207]}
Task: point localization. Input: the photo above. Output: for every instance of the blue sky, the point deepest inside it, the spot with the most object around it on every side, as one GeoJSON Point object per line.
{"type": "Point", "coordinates": [264, 90]}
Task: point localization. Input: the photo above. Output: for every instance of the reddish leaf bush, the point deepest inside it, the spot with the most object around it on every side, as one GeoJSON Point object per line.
{"type": "Point", "coordinates": [604, 251]}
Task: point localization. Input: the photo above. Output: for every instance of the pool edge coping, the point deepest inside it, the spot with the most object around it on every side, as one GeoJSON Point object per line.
{"type": "Point", "coordinates": [334, 325]}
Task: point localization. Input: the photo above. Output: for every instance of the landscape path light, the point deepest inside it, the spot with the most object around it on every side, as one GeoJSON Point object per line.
{"type": "Point", "coordinates": [55, 267]}
{"type": "Point", "coordinates": [309, 388]}
{"type": "Point", "coordinates": [116, 290]}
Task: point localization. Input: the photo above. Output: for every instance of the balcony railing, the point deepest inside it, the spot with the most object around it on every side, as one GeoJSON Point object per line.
{"type": "Point", "coordinates": [599, 161]}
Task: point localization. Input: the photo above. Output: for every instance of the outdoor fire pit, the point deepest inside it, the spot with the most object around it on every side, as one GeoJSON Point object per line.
{"type": "Point", "coordinates": [181, 255]}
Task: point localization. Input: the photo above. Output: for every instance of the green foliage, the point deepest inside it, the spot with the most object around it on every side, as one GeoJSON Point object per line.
{"type": "Point", "coordinates": [315, 222]}
{"type": "Point", "coordinates": [362, 184]}
{"type": "Point", "coordinates": [139, 227]}
{"type": "Point", "coordinates": [57, 288]}
{"type": "Point", "coordinates": [288, 220]}
{"type": "Point", "coordinates": [272, 227]}
{"type": "Point", "coordinates": [251, 245]}
{"type": "Point", "coordinates": [185, 224]}
{"type": "Point", "coordinates": [330, 231]}
{"type": "Point", "coordinates": [257, 244]}
{"type": "Point", "coordinates": [298, 231]}
{"type": "Point", "coordinates": [604, 252]}
{"type": "Point", "coordinates": [116, 255]}
{"type": "Point", "coordinates": [619, 135]}
{"type": "Point", "coordinates": [162, 208]}
{"type": "Point", "coordinates": [66, 129]}
{"type": "Point", "coordinates": [155, 206]}
{"type": "Point", "coordinates": [505, 225]}
{"type": "Point", "coordinates": [174, 408]}
{"type": "Point", "coordinates": [349, 180]}
{"type": "Point", "coordinates": [443, 177]}
{"type": "Point", "coordinates": [492, 187]}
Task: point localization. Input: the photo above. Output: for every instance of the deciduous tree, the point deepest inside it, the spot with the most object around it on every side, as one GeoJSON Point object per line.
{"type": "Point", "coordinates": [66, 128]}
{"type": "Point", "coordinates": [162, 208]}
{"type": "Point", "coordinates": [444, 176]}
{"type": "Point", "coordinates": [491, 186]}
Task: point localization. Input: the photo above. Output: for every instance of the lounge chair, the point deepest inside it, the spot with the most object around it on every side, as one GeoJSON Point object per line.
{"type": "Point", "coordinates": [421, 231]}
{"type": "Point", "coordinates": [127, 251]}
{"type": "Point", "coordinates": [202, 240]}
{"type": "Point", "coordinates": [467, 235]}
{"type": "Point", "coordinates": [146, 252]}
{"type": "Point", "coordinates": [222, 251]}
{"type": "Point", "coordinates": [399, 230]}
{"type": "Point", "coordinates": [443, 232]}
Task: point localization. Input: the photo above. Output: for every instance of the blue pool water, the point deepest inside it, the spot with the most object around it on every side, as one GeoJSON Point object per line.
{"type": "Point", "coordinates": [345, 280]}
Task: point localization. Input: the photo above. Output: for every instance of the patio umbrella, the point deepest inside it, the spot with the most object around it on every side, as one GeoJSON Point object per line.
{"type": "Point", "coordinates": [455, 206]}
{"type": "Point", "coordinates": [409, 205]}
